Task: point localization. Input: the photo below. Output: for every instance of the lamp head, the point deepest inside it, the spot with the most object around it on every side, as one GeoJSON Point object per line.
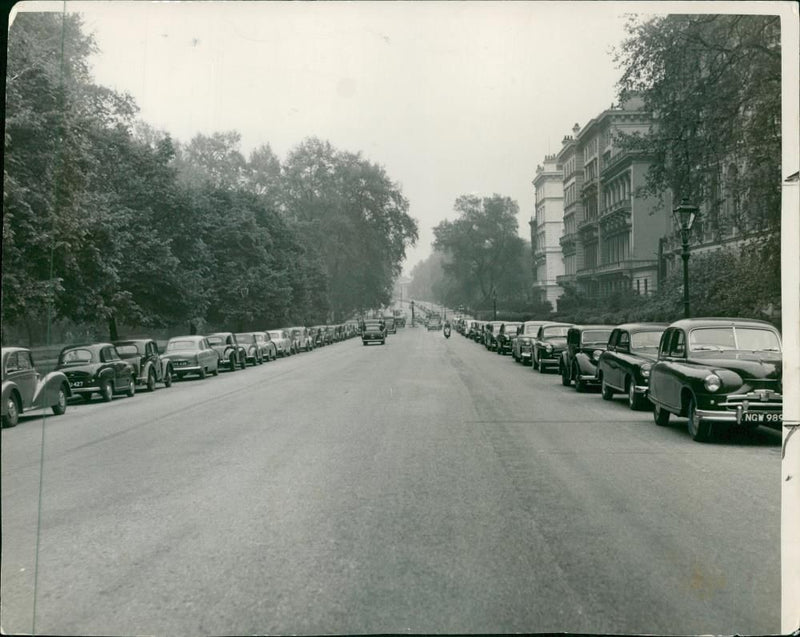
{"type": "Point", "coordinates": [685, 214]}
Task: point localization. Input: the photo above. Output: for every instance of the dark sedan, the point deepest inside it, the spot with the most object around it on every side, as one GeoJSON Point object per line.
{"type": "Point", "coordinates": [625, 365]}
{"type": "Point", "coordinates": [578, 362]}
{"type": "Point", "coordinates": [373, 332]}
{"type": "Point", "coordinates": [718, 372]}
{"type": "Point", "coordinates": [96, 369]}
{"type": "Point", "coordinates": [550, 341]}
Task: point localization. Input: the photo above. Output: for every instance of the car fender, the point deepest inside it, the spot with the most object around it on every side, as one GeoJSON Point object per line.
{"type": "Point", "coordinates": [585, 364]}
{"type": "Point", "coordinates": [9, 388]}
{"type": "Point", "coordinates": [46, 393]}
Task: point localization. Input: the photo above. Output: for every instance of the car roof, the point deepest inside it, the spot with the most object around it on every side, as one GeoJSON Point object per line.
{"type": "Point", "coordinates": [11, 350]}
{"type": "Point", "coordinates": [720, 322]}
{"type": "Point", "coordinates": [593, 327]}
{"type": "Point", "coordinates": [642, 327]}
{"type": "Point", "coordinates": [191, 337]}
{"type": "Point", "coordinates": [90, 346]}
{"type": "Point", "coordinates": [133, 341]}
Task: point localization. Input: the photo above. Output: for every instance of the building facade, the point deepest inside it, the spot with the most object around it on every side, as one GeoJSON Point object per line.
{"type": "Point", "coordinates": [572, 182]}
{"type": "Point", "coordinates": [547, 229]}
{"type": "Point", "coordinates": [621, 229]}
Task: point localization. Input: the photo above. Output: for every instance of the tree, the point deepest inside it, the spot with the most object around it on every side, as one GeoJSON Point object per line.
{"type": "Point", "coordinates": [482, 249]}
{"type": "Point", "coordinates": [713, 83]}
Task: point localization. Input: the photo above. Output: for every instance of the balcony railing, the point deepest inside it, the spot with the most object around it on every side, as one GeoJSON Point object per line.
{"type": "Point", "coordinates": [626, 264]}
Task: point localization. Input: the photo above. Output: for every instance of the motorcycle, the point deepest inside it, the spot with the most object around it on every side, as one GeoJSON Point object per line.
{"type": "Point", "coordinates": [446, 331]}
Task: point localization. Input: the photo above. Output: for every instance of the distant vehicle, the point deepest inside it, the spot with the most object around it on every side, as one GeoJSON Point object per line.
{"type": "Point", "coordinates": [434, 322]}
{"type": "Point", "coordinates": [522, 343]}
{"type": "Point", "coordinates": [25, 389]}
{"type": "Point", "coordinates": [191, 355]}
{"type": "Point", "coordinates": [550, 341]}
{"type": "Point", "coordinates": [282, 340]}
{"type": "Point", "coordinates": [391, 328]}
{"type": "Point", "coordinates": [625, 365]}
{"type": "Point", "coordinates": [96, 369]}
{"type": "Point", "coordinates": [718, 372]}
{"type": "Point", "coordinates": [373, 332]}
{"type": "Point", "coordinates": [148, 365]}
{"type": "Point", "coordinates": [506, 336]}
{"type": "Point", "coordinates": [253, 351]}
{"type": "Point", "coordinates": [231, 353]}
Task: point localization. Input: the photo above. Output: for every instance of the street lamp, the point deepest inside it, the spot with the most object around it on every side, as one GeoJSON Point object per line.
{"type": "Point", "coordinates": [685, 215]}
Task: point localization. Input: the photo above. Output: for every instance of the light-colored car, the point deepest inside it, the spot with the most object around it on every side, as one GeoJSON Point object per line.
{"type": "Point", "coordinates": [282, 340]}
{"type": "Point", "coordinates": [25, 389]}
{"type": "Point", "coordinates": [192, 355]}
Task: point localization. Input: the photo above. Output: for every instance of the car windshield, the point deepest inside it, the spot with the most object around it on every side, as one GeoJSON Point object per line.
{"type": "Point", "coordinates": [595, 337]}
{"type": "Point", "coordinates": [645, 340]}
{"type": "Point", "coordinates": [216, 340]}
{"type": "Point", "coordinates": [511, 330]}
{"type": "Point", "coordinates": [372, 325]}
{"type": "Point", "coordinates": [555, 331]}
{"type": "Point", "coordinates": [76, 357]}
{"type": "Point", "coordinates": [181, 344]}
{"type": "Point", "coordinates": [730, 338]}
{"type": "Point", "coordinates": [275, 334]}
{"type": "Point", "coordinates": [128, 350]}
{"type": "Point", "coordinates": [245, 338]}
{"type": "Point", "coordinates": [531, 329]}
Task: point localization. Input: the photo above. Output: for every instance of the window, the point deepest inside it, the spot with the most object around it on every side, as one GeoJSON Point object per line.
{"type": "Point", "coordinates": [25, 360]}
{"type": "Point", "coordinates": [678, 344]}
{"type": "Point", "coordinates": [12, 364]}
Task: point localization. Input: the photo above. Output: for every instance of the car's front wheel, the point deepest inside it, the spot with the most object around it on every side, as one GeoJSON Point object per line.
{"type": "Point", "coordinates": [660, 415]}
{"type": "Point", "coordinates": [12, 417]}
{"type": "Point", "coordinates": [580, 385]}
{"type": "Point", "coordinates": [699, 430]}
{"type": "Point", "coordinates": [151, 381]}
{"type": "Point", "coordinates": [635, 401]}
{"type": "Point", "coordinates": [232, 361]}
{"type": "Point", "coordinates": [106, 391]}
{"type": "Point", "coordinates": [168, 377]}
{"type": "Point", "coordinates": [605, 391]}
{"type": "Point", "coordinates": [61, 401]}
{"type": "Point", "coordinates": [131, 388]}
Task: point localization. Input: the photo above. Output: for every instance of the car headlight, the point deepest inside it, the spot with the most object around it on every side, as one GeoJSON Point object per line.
{"type": "Point", "coordinates": [548, 348]}
{"type": "Point", "coordinates": [596, 355]}
{"type": "Point", "coordinates": [712, 382]}
{"type": "Point", "coordinates": [645, 369]}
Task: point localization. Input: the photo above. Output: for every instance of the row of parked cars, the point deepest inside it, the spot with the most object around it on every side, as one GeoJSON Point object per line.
{"type": "Point", "coordinates": [715, 372]}
{"type": "Point", "coordinates": [120, 367]}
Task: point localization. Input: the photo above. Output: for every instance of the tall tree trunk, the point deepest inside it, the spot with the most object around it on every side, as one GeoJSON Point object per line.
{"type": "Point", "coordinates": [112, 328]}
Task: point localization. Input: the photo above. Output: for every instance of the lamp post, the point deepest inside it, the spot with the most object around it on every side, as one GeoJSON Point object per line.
{"type": "Point", "coordinates": [685, 215]}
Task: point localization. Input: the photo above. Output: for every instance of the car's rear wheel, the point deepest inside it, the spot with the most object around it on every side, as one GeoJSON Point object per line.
{"type": "Point", "coordinates": [168, 377]}
{"type": "Point", "coordinates": [215, 371]}
{"type": "Point", "coordinates": [605, 391]}
{"type": "Point", "coordinates": [151, 381]}
{"type": "Point", "coordinates": [243, 362]}
{"type": "Point", "coordinates": [660, 415]}
{"type": "Point", "coordinates": [699, 430]}
{"type": "Point", "coordinates": [12, 417]}
{"type": "Point", "coordinates": [580, 385]}
{"type": "Point", "coordinates": [565, 379]}
{"type": "Point", "coordinates": [106, 391]}
{"type": "Point", "coordinates": [232, 361]}
{"type": "Point", "coordinates": [202, 373]}
{"type": "Point", "coordinates": [131, 388]}
{"type": "Point", "coordinates": [61, 401]}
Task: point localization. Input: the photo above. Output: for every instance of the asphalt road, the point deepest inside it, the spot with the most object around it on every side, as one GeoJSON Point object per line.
{"type": "Point", "coordinates": [423, 486]}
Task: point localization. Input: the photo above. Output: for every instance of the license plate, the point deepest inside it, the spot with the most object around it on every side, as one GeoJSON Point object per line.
{"type": "Point", "coordinates": [757, 418]}
{"type": "Point", "coordinates": [76, 383]}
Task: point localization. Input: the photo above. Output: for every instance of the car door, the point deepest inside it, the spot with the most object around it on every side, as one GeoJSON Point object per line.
{"type": "Point", "coordinates": [120, 367]}
{"type": "Point", "coordinates": [667, 384]}
{"type": "Point", "coordinates": [619, 361]}
{"type": "Point", "coordinates": [24, 375]}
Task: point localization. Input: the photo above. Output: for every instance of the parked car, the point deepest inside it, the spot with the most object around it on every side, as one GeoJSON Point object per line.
{"type": "Point", "coordinates": [191, 355]}
{"type": "Point", "coordinates": [718, 372]}
{"type": "Point", "coordinates": [550, 341]}
{"type": "Point", "coordinates": [282, 341]}
{"type": "Point", "coordinates": [318, 336]}
{"type": "Point", "coordinates": [491, 331]}
{"type": "Point", "coordinates": [96, 368]}
{"type": "Point", "coordinates": [269, 352]}
{"type": "Point", "coordinates": [373, 331]}
{"type": "Point", "coordinates": [578, 361]}
{"type": "Point", "coordinates": [149, 367]}
{"type": "Point", "coordinates": [505, 337]}
{"type": "Point", "coordinates": [625, 365]}
{"type": "Point", "coordinates": [252, 351]}
{"type": "Point", "coordinates": [24, 389]}
{"type": "Point", "coordinates": [522, 343]}
{"type": "Point", "coordinates": [231, 353]}
{"type": "Point", "coordinates": [391, 327]}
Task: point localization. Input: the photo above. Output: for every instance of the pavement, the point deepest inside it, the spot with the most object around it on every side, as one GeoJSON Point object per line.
{"type": "Point", "coordinates": [422, 486]}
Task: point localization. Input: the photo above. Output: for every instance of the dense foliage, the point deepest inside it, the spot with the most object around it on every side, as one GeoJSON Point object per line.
{"type": "Point", "coordinates": [106, 219]}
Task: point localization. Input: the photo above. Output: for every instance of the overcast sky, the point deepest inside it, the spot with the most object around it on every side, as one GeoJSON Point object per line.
{"type": "Point", "coordinates": [450, 97]}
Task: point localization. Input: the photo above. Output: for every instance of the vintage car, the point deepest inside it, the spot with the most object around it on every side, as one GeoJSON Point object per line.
{"type": "Point", "coordinates": [191, 355]}
{"type": "Point", "coordinates": [718, 372]}
{"type": "Point", "coordinates": [318, 336]}
{"type": "Point", "coordinates": [96, 368]}
{"type": "Point", "coordinates": [231, 353]}
{"type": "Point", "coordinates": [522, 342]}
{"type": "Point", "coordinates": [283, 343]}
{"type": "Point", "coordinates": [434, 322]}
{"type": "Point", "coordinates": [550, 341]}
{"type": "Point", "coordinates": [625, 365]}
{"type": "Point", "coordinates": [24, 389]}
{"type": "Point", "coordinates": [269, 351]}
{"type": "Point", "coordinates": [295, 337]}
{"type": "Point", "coordinates": [505, 337]}
{"type": "Point", "coordinates": [253, 351]}
{"type": "Point", "coordinates": [149, 367]}
{"type": "Point", "coordinates": [490, 333]}
{"type": "Point", "coordinates": [391, 326]}
{"type": "Point", "coordinates": [373, 331]}
{"type": "Point", "coordinates": [578, 361]}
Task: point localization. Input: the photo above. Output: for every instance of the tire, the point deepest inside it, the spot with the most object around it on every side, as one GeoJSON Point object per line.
{"type": "Point", "coordinates": [660, 416]}
{"type": "Point", "coordinates": [580, 386]}
{"type": "Point", "coordinates": [565, 379]}
{"type": "Point", "coordinates": [202, 373]}
{"type": "Point", "coordinates": [365, 343]}
{"type": "Point", "coordinates": [12, 418]}
{"type": "Point", "coordinates": [243, 363]}
{"type": "Point", "coordinates": [106, 391]}
{"type": "Point", "coordinates": [131, 392]}
{"type": "Point", "coordinates": [61, 403]}
{"type": "Point", "coordinates": [168, 377]}
{"type": "Point", "coordinates": [635, 402]}
{"type": "Point", "coordinates": [151, 380]}
{"type": "Point", "coordinates": [215, 371]}
{"type": "Point", "coordinates": [542, 366]}
{"type": "Point", "coordinates": [605, 391]}
{"type": "Point", "coordinates": [232, 361]}
{"type": "Point", "coordinates": [699, 430]}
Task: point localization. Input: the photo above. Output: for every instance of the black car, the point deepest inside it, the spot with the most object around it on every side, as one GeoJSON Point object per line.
{"type": "Point", "coordinates": [505, 339]}
{"type": "Point", "coordinates": [231, 353]}
{"type": "Point", "coordinates": [550, 341]}
{"type": "Point", "coordinates": [373, 332]}
{"type": "Point", "coordinates": [625, 365]}
{"type": "Point", "coordinates": [578, 362]}
{"type": "Point", "coordinates": [148, 366]}
{"type": "Point", "coordinates": [96, 368]}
